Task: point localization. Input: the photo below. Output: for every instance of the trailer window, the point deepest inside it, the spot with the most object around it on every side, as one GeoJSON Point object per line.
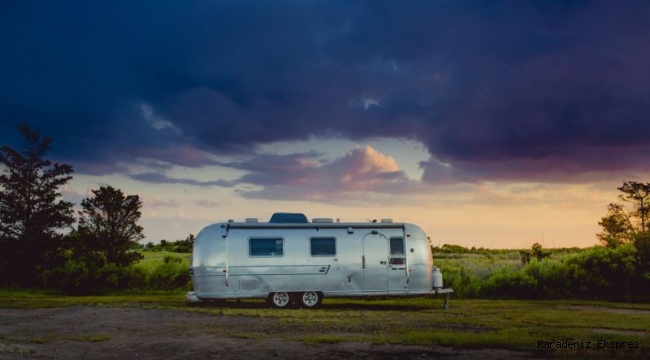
{"type": "Point", "coordinates": [397, 246]}
{"type": "Point", "coordinates": [323, 246]}
{"type": "Point", "coordinates": [266, 246]}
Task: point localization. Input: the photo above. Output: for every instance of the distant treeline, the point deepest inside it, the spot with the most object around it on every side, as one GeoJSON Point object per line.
{"type": "Point", "coordinates": [458, 249]}
{"type": "Point", "coordinates": [178, 246]}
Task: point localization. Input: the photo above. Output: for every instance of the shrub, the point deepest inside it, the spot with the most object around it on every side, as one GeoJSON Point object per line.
{"type": "Point", "coordinates": [462, 280]}
{"type": "Point", "coordinates": [71, 278]}
{"type": "Point", "coordinates": [172, 274]}
{"type": "Point", "coordinates": [506, 283]}
{"type": "Point", "coordinates": [597, 273]}
{"type": "Point", "coordinates": [603, 273]}
{"type": "Point", "coordinates": [86, 278]}
{"type": "Point", "coordinates": [551, 278]}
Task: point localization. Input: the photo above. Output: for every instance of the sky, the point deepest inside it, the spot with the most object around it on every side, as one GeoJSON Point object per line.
{"type": "Point", "coordinates": [496, 124]}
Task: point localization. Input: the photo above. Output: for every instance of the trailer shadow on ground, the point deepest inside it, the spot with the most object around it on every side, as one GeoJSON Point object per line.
{"type": "Point", "coordinates": [368, 304]}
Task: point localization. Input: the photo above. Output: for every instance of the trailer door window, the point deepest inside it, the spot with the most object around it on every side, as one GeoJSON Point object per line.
{"type": "Point", "coordinates": [397, 251]}
{"type": "Point", "coordinates": [397, 246]}
{"type": "Point", "coordinates": [265, 246]}
{"type": "Point", "coordinates": [323, 246]}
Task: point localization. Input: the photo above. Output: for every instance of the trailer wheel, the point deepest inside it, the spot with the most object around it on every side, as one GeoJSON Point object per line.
{"type": "Point", "coordinates": [311, 299]}
{"type": "Point", "coordinates": [280, 300]}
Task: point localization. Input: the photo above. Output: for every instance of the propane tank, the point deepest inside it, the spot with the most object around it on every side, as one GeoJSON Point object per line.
{"type": "Point", "coordinates": [437, 278]}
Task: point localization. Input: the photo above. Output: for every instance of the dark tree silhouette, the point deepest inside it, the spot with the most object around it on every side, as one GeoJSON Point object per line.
{"type": "Point", "coordinates": [638, 194]}
{"type": "Point", "coordinates": [108, 230]}
{"type": "Point", "coordinates": [31, 211]}
{"type": "Point", "coordinates": [622, 225]}
{"type": "Point", "coordinates": [617, 227]}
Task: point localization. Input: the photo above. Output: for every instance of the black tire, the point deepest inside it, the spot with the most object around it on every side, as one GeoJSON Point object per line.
{"type": "Point", "coordinates": [280, 300]}
{"type": "Point", "coordinates": [311, 299]}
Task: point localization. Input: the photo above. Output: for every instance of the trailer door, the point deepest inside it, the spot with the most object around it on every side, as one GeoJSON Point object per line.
{"type": "Point", "coordinates": [398, 269]}
{"type": "Point", "coordinates": [375, 262]}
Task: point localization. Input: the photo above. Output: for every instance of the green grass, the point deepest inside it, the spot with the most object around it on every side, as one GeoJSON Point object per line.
{"type": "Point", "coordinates": [152, 259]}
{"type": "Point", "coordinates": [482, 264]}
{"type": "Point", "coordinates": [88, 338]}
{"type": "Point", "coordinates": [32, 299]}
{"type": "Point", "coordinates": [159, 255]}
{"type": "Point", "coordinates": [325, 339]}
{"type": "Point", "coordinates": [505, 324]}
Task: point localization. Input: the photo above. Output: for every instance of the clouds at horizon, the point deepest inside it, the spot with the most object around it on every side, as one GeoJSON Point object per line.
{"type": "Point", "coordinates": [552, 91]}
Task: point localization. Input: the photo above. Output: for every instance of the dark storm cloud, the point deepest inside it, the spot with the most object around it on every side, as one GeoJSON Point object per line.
{"type": "Point", "coordinates": [163, 179]}
{"type": "Point", "coordinates": [495, 90]}
{"type": "Point", "coordinates": [272, 170]}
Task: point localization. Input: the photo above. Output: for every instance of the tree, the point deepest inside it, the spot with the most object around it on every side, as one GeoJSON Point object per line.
{"type": "Point", "coordinates": [638, 194]}
{"type": "Point", "coordinates": [108, 229]}
{"type": "Point", "coordinates": [31, 211]}
{"type": "Point", "coordinates": [617, 227]}
{"type": "Point", "coordinates": [539, 253]}
{"type": "Point", "coordinates": [623, 225]}
{"type": "Point", "coordinates": [536, 252]}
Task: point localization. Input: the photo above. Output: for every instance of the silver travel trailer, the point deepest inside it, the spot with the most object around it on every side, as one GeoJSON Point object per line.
{"type": "Point", "coordinates": [290, 259]}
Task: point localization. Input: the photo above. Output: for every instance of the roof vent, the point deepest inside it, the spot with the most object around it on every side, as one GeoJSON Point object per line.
{"type": "Point", "coordinates": [251, 220]}
{"type": "Point", "coordinates": [386, 221]}
{"type": "Point", "coordinates": [322, 220]}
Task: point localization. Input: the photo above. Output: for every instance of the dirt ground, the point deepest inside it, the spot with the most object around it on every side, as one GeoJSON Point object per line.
{"type": "Point", "coordinates": [89, 332]}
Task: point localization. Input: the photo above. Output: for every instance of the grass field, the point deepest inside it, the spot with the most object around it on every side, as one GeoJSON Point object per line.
{"type": "Point", "coordinates": [516, 325]}
{"type": "Point", "coordinates": [482, 264]}
{"type": "Point", "coordinates": [154, 258]}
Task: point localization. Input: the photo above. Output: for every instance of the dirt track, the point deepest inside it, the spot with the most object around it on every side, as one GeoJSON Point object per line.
{"type": "Point", "coordinates": [87, 332]}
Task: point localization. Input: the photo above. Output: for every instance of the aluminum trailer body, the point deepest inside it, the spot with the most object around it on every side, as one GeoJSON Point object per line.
{"type": "Point", "coordinates": [304, 262]}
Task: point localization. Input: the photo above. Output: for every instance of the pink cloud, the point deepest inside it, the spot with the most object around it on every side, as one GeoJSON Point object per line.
{"type": "Point", "coordinates": [361, 170]}
{"type": "Point", "coordinates": [364, 168]}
